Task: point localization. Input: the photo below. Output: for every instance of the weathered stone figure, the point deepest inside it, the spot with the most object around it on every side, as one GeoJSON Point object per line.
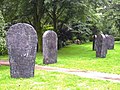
{"type": "Point", "coordinates": [101, 47]}
{"type": "Point", "coordinates": [110, 41]}
{"type": "Point", "coordinates": [94, 42]}
{"type": "Point", "coordinates": [22, 45]}
{"type": "Point", "coordinates": [50, 47]}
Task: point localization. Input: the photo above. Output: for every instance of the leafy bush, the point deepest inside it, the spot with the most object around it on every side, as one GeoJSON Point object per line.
{"type": "Point", "coordinates": [47, 27]}
{"type": "Point", "coordinates": [3, 48]}
{"type": "Point", "coordinates": [117, 38]}
{"type": "Point", "coordinates": [81, 31]}
{"type": "Point", "coordinates": [68, 42]}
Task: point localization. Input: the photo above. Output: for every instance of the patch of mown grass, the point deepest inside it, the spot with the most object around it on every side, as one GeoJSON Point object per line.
{"type": "Point", "coordinates": [3, 57]}
{"type": "Point", "coordinates": [83, 58]}
{"type": "Point", "coordinates": [45, 80]}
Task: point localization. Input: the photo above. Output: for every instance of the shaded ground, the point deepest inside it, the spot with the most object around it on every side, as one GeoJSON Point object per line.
{"type": "Point", "coordinates": [87, 74]}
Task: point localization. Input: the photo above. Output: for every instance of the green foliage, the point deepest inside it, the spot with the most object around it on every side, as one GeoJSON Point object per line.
{"type": "Point", "coordinates": [69, 42]}
{"type": "Point", "coordinates": [95, 16]}
{"type": "Point", "coordinates": [2, 45]}
{"type": "Point", "coordinates": [109, 17]}
{"type": "Point", "coordinates": [117, 38]}
{"type": "Point", "coordinates": [81, 31]}
{"type": "Point", "coordinates": [47, 27]}
{"type": "Point", "coordinates": [2, 35]}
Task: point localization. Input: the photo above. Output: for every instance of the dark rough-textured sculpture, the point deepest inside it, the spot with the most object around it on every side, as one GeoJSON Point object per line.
{"type": "Point", "coordinates": [110, 41]}
{"type": "Point", "coordinates": [22, 45]}
{"type": "Point", "coordinates": [50, 47]}
{"type": "Point", "coordinates": [94, 42]}
{"type": "Point", "coordinates": [101, 47]}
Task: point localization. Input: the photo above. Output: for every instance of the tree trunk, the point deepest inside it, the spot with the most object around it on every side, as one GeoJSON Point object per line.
{"type": "Point", "coordinates": [54, 15]}
{"type": "Point", "coordinates": [55, 23]}
{"type": "Point", "coordinates": [38, 14]}
{"type": "Point", "coordinates": [38, 28]}
{"type": "Point", "coordinates": [39, 33]}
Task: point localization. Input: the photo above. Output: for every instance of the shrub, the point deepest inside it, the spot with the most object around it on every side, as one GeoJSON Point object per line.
{"type": "Point", "coordinates": [68, 42]}
{"type": "Point", "coordinates": [117, 38]}
{"type": "Point", "coordinates": [3, 48]}
{"type": "Point", "coordinates": [47, 27]}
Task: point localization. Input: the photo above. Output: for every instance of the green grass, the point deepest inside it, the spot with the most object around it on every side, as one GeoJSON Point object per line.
{"type": "Point", "coordinates": [3, 57]}
{"type": "Point", "coordinates": [83, 58]}
{"type": "Point", "coordinates": [45, 80]}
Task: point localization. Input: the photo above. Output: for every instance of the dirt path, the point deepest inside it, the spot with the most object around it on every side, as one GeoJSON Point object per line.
{"type": "Point", "coordinates": [86, 74]}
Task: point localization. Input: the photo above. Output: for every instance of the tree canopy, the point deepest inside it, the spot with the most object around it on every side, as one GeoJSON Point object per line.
{"type": "Point", "coordinates": [78, 18]}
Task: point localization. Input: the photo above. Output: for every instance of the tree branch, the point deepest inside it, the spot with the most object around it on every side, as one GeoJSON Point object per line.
{"type": "Point", "coordinates": [60, 13]}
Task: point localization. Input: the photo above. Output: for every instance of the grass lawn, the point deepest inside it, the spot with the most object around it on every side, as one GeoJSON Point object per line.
{"type": "Point", "coordinates": [45, 80]}
{"type": "Point", "coordinates": [4, 57]}
{"type": "Point", "coordinates": [82, 57]}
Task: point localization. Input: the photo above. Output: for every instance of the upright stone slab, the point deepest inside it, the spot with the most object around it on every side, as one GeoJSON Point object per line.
{"type": "Point", "coordinates": [94, 42]}
{"type": "Point", "coordinates": [110, 41]}
{"type": "Point", "coordinates": [101, 47]}
{"type": "Point", "coordinates": [50, 47]}
{"type": "Point", "coordinates": [22, 45]}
